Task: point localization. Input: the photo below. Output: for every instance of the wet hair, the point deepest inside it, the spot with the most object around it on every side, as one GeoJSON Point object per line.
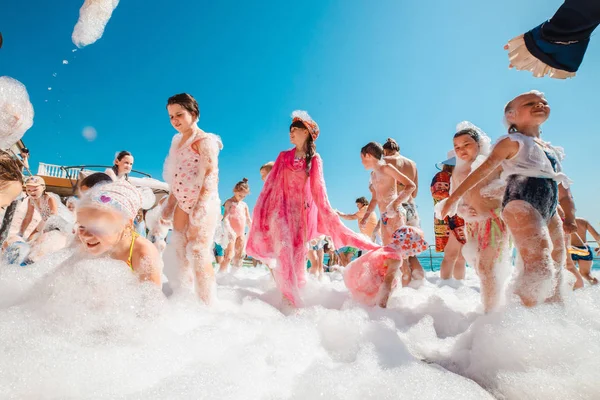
{"type": "Point", "coordinates": [24, 150]}
{"type": "Point", "coordinates": [310, 147]}
{"type": "Point", "coordinates": [363, 200]}
{"type": "Point", "coordinates": [242, 186]}
{"type": "Point", "coordinates": [95, 179]}
{"type": "Point", "coordinates": [186, 101]}
{"type": "Point", "coordinates": [391, 145]}
{"type": "Point", "coordinates": [509, 107]}
{"type": "Point", "coordinates": [374, 149]}
{"type": "Point", "coordinates": [470, 132]}
{"type": "Point", "coordinates": [268, 166]}
{"type": "Point", "coordinates": [119, 157]}
{"type": "Point", "coordinates": [10, 170]}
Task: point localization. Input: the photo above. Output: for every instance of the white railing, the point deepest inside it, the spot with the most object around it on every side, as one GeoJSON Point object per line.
{"type": "Point", "coordinates": [54, 171]}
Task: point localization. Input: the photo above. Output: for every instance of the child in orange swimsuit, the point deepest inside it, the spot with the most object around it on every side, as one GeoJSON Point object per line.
{"type": "Point", "coordinates": [237, 217]}
{"type": "Point", "coordinates": [105, 227]}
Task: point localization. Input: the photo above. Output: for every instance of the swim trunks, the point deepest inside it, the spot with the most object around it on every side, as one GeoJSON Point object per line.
{"type": "Point", "coordinates": [589, 257]}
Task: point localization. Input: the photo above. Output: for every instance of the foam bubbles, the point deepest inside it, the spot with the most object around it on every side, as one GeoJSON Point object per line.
{"type": "Point", "coordinates": [88, 329]}
{"type": "Point", "coordinates": [65, 62]}
{"type": "Point", "coordinates": [89, 133]}
{"type": "Point", "coordinates": [93, 17]}
{"type": "Point", "coordinates": [16, 111]}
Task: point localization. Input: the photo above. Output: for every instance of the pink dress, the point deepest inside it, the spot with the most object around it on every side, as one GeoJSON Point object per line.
{"type": "Point", "coordinates": [292, 209]}
{"type": "Point", "coordinates": [364, 276]}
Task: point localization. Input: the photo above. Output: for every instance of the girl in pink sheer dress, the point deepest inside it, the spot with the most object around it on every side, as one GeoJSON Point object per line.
{"type": "Point", "coordinates": [293, 208]}
{"type": "Point", "coordinates": [236, 217]}
{"type": "Point", "coordinates": [192, 171]}
{"type": "Point", "coordinates": [371, 278]}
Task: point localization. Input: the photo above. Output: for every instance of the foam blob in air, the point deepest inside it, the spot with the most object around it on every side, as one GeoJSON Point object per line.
{"type": "Point", "coordinates": [93, 17]}
{"type": "Point", "coordinates": [89, 133]}
{"type": "Point", "coordinates": [16, 111]}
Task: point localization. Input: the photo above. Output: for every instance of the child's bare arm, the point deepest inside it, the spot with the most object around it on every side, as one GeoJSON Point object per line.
{"type": "Point", "coordinates": [348, 217]}
{"type": "Point", "coordinates": [505, 149]}
{"type": "Point", "coordinates": [415, 192]}
{"type": "Point", "coordinates": [169, 207]}
{"type": "Point", "coordinates": [27, 219]}
{"type": "Point", "coordinates": [53, 205]}
{"type": "Point", "coordinates": [371, 207]}
{"type": "Point", "coordinates": [409, 185]}
{"type": "Point", "coordinates": [248, 218]}
{"type": "Point", "coordinates": [147, 262]}
{"type": "Point", "coordinates": [590, 228]}
{"type": "Point", "coordinates": [565, 200]}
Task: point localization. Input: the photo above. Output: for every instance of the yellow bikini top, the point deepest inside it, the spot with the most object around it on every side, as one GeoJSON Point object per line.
{"type": "Point", "coordinates": [134, 235]}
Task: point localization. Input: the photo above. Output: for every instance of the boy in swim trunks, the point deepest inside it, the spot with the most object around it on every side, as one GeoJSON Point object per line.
{"type": "Point", "coordinates": [391, 152]}
{"type": "Point", "coordinates": [579, 240]}
{"type": "Point", "coordinates": [385, 180]}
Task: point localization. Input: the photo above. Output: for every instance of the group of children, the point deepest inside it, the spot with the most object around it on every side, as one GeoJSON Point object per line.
{"type": "Point", "coordinates": [501, 196]}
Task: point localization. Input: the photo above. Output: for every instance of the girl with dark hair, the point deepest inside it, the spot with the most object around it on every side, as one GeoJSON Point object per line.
{"type": "Point", "coordinates": [192, 171]}
{"type": "Point", "coordinates": [293, 209]}
{"type": "Point", "coordinates": [122, 166]}
{"type": "Point", "coordinates": [535, 184]}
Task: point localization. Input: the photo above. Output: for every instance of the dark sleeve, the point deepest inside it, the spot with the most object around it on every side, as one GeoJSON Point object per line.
{"type": "Point", "coordinates": [562, 41]}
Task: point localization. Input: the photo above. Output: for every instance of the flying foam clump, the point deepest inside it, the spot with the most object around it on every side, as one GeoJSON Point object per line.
{"type": "Point", "coordinates": [93, 17]}
{"type": "Point", "coordinates": [16, 111]}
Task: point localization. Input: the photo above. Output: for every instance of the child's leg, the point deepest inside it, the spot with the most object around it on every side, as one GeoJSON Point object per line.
{"type": "Point", "coordinates": [559, 252]}
{"type": "Point", "coordinates": [314, 267]}
{"type": "Point", "coordinates": [320, 258]}
{"type": "Point", "coordinates": [204, 224]}
{"type": "Point", "coordinates": [451, 254]}
{"type": "Point", "coordinates": [386, 287]}
{"type": "Point", "coordinates": [406, 273]}
{"type": "Point", "coordinates": [492, 267]}
{"type": "Point", "coordinates": [570, 265]}
{"type": "Point", "coordinates": [179, 242]}
{"type": "Point", "coordinates": [227, 256]}
{"type": "Point", "coordinates": [238, 259]}
{"type": "Point", "coordinates": [585, 268]}
{"type": "Point", "coordinates": [458, 272]}
{"type": "Point", "coordinates": [416, 269]}
{"type": "Point", "coordinates": [532, 239]}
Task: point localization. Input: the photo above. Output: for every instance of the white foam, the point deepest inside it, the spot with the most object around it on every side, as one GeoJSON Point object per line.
{"type": "Point", "coordinates": [93, 17]}
{"type": "Point", "coordinates": [89, 133]}
{"type": "Point", "coordinates": [16, 111]}
{"type": "Point", "coordinates": [88, 329]}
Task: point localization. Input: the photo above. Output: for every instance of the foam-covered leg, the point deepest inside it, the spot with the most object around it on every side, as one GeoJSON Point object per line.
{"type": "Point", "coordinates": [532, 239]}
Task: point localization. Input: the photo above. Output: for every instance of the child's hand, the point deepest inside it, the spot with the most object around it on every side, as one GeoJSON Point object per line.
{"type": "Point", "coordinates": [448, 205]}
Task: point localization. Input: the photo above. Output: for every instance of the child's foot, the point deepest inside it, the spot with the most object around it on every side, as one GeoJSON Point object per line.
{"type": "Point", "coordinates": [594, 281]}
{"type": "Point", "coordinates": [578, 284]}
{"type": "Point", "coordinates": [418, 273]}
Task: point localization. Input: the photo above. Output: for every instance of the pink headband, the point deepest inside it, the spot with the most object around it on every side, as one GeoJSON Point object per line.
{"type": "Point", "coordinates": [120, 196]}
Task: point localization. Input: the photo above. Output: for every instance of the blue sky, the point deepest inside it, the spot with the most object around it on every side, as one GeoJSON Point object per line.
{"type": "Point", "coordinates": [365, 70]}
